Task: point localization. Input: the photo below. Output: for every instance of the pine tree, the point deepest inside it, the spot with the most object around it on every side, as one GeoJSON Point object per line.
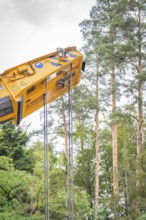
{"type": "Point", "coordinates": [13, 141]}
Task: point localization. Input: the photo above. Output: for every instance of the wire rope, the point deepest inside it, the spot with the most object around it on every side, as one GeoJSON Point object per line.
{"type": "Point", "coordinates": [46, 165]}
{"type": "Point", "coordinates": [70, 156]}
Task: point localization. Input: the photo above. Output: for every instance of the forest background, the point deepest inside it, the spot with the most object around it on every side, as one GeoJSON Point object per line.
{"type": "Point", "coordinates": [108, 130]}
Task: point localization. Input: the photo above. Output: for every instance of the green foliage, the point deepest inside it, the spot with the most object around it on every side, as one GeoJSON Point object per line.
{"type": "Point", "coordinates": [7, 215]}
{"type": "Point", "coordinates": [142, 217]}
{"type": "Point", "coordinates": [13, 188]}
{"type": "Point", "coordinates": [13, 144]}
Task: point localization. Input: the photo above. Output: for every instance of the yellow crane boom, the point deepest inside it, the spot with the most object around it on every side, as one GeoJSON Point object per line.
{"type": "Point", "coordinates": [22, 88]}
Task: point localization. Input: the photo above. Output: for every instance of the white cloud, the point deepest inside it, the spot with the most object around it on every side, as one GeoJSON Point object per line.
{"type": "Point", "coordinates": [43, 12]}
{"type": "Point", "coordinates": [34, 12]}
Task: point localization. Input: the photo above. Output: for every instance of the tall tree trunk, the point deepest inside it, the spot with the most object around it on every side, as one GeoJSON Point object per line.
{"type": "Point", "coordinates": [140, 121]}
{"type": "Point", "coordinates": [139, 142]}
{"type": "Point", "coordinates": [139, 134]}
{"type": "Point", "coordinates": [97, 159]}
{"type": "Point", "coordinates": [140, 112]}
{"type": "Point", "coordinates": [114, 144]}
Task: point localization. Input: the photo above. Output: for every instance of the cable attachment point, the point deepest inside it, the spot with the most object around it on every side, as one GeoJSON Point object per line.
{"type": "Point", "coordinates": [64, 81]}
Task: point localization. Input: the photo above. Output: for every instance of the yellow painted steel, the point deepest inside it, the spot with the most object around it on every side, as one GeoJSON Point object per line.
{"type": "Point", "coordinates": [22, 88]}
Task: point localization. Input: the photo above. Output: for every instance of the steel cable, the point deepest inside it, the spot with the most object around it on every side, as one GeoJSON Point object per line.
{"type": "Point", "coordinates": [46, 165]}
{"type": "Point", "coordinates": [70, 156]}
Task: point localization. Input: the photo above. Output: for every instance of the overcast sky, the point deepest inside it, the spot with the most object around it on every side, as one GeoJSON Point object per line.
{"type": "Point", "coordinates": [32, 28]}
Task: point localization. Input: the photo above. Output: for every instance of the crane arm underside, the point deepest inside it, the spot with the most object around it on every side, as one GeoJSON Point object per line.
{"type": "Point", "coordinates": [22, 88]}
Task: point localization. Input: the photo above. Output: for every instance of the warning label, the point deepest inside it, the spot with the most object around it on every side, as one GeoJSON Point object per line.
{"type": "Point", "coordinates": [23, 83]}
